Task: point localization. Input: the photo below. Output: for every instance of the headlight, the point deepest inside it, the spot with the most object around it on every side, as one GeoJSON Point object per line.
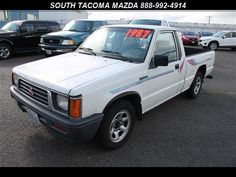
{"type": "Point", "coordinates": [62, 102]}
{"type": "Point", "coordinates": [68, 42]}
{"type": "Point", "coordinates": [41, 40]}
{"type": "Point", "coordinates": [15, 79]}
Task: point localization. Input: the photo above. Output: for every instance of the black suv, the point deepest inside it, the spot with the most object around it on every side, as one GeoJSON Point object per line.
{"type": "Point", "coordinates": [23, 36]}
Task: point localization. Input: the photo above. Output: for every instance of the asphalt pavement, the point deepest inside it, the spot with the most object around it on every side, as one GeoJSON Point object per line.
{"type": "Point", "coordinates": [180, 132]}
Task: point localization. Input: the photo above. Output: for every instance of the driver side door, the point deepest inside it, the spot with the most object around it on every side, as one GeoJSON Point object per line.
{"type": "Point", "coordinates": [163, 81]}
{"type": "Point", "coordinates": [227, 39]}
{"type": "Point", "coordinates": [25, 38]}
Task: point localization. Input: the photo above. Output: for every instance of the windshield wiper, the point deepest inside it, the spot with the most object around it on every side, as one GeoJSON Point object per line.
{"type": "Point", "coordinates": [117, 55]}
{"type": "Point", "coordinates": [87, 50]}
{"type": "Point", "coordinates": [109, 51]}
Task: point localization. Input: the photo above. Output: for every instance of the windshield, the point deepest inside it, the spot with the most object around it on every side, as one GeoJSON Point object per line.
{"type": "Point", "coordinates": [80, 26]}
{"type": "Point", "coordinates": [219, 34]}
{"type": "Point", "coordinates": [146, 22]}
{"type": "Point", "coordinates": [12, 26]}
{"type": "Point", "coordinates": [128, 44]}
{"type": "Point", "coordinates": [188, 33]}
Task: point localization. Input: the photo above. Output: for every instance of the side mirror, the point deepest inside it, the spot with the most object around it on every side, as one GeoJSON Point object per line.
{"type": "Point", "coordinates": [223, 37]}
{"type": "Point", "coordinates": [160, 60]}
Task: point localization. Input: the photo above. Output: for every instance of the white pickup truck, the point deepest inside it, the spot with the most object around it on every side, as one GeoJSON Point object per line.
{"type": "Point", "coordinates": [116, 75]}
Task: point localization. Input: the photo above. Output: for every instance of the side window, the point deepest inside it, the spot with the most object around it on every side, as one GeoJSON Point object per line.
{"type": "Point", "coordinates": [41, 27]}
{"type": "Point", "coordinates": [234, 34]}
{"type": "Point", "coordinates": [53, 27]}
{"type": "Point", "coordinates": [166, 46]}
{"type": "Point", "coordinates": [228, 35]}
{"type": "Point", "coordinates": [27, 27]}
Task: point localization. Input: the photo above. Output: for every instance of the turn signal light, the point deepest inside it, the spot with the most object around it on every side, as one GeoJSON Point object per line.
{"type": "Point", "coordinates": [75, 108]}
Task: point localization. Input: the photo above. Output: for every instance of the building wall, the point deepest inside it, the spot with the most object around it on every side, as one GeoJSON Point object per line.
{"type": "Point", "coordinates": [11, 15]}
{"type": "Point", "coordinates": [1, 15]}
{"type": "Point", "coordinates": [62, 16]}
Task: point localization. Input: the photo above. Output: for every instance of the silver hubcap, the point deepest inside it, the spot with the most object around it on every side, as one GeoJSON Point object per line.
{"type": "Point", "coordinates": [4, 52]}
{"type": "Point", "coordinates": [120, 126]}
{"type": "Point", "coordinates": [197, 85]}
{"type": "Point", "coordinates": [213, 46]}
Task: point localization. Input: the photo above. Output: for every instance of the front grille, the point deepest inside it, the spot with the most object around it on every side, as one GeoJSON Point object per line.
{"type": "Point", "coordinates": [34, 92]}
{"type": "Point", "coordinates": [51, 41]}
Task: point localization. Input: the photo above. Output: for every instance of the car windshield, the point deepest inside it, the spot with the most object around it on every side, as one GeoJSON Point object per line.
{"type": "Point", "coordinates": [80, 26]}
{"type": "Point", "coordinates": [188, 33]}
{"type": "Point", "coordinates": [219, 34]}
{"type": "Point", "coordinates": [146, 22]}
{"type": "Point", "coordinates": [121, 43]}
{"type": "Point", "coordinates": [12, 26]}
{"type": "Point", "coordinates": [206, 34]}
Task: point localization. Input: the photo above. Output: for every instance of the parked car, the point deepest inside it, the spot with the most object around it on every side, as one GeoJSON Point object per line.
{"type": "Point", "coordinates": [155, 22]}
{"type": "Point", "coordinates": [23, 36]}
{"type": "Point", "coordinates": [71, 36]}
{"type": "Point", "coordinates": [222, 39]}
{"type": "Point", "coordinates": [190, 38]}
{"type": "Point", "coordinates": [204, 34]}
{"type": "Point", "coordinates": [118, 73]}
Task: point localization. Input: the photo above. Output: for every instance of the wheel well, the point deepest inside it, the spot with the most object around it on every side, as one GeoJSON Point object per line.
{"type": "Point", "coordinates": [215, 42]}
{"type": "Point", "coordinates": [133, 98]}
{"type": "Point", "coordinates": [202, 69]}
{"type": "Point", "coordinates": [8, 43]}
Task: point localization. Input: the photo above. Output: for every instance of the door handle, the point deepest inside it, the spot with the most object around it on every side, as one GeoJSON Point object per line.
{"type": "Point", "coordinates": [142, 78]}
{"type": "Point", "coordinates": [177, 66]}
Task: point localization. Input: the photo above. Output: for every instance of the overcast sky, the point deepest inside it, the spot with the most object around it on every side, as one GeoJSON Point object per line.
{"type": "Point", "coordinates": [224, 17]}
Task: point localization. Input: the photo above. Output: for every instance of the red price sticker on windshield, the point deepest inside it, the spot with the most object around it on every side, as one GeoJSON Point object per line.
{"type": "Point", "coordinates": [138, 33]}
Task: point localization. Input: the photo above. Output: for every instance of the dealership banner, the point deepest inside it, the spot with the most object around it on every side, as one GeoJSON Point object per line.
{"type": "Point", "coordinates": [118, 5]}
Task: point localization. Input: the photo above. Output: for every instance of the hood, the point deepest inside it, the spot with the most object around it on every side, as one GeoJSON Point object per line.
{"type": "Point", "coordinates": [190, 36]}
{"type": "Point", "coordinates": [66, 34]}
{"type": "Point", "coordinates": [64, 72]}
{"type": "Point", "coordinates": [208, 37]}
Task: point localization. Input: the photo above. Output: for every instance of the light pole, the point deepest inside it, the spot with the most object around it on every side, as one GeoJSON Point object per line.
{"type": "Point", "coordinates": [209, 19]}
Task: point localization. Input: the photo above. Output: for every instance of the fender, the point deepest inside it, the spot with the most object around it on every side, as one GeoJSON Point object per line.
{"type": "Point", "coordinates": [3, 40]}
{"type": "Point", "coordinates": [132, 96]}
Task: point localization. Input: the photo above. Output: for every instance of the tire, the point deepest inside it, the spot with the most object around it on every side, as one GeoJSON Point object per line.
{"type": "Point", "coordinates": [195, 88]}
{"type": "Point", "coordinates": [213, 46]}
{"type": "Point", "coordinates": [5, 51]}
{"type": "Point", "coordinates": [113, 132]}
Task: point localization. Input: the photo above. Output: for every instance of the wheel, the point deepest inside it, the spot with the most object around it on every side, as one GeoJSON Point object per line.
{"type": "Point", "coordinates": [195, 88]}
{"type": "Point", "coordinates": [213, 46]}
{"type": "Point", "coordinates": [5, 51]}
{"type": "Point", "coordinates": [117, 125]}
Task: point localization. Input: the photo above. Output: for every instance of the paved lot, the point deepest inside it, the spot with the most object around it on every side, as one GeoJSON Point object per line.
{"type": "Point", "coordinates": [180, 132]}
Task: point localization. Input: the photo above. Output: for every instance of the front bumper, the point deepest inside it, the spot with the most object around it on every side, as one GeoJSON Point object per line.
{"type": "Point", "coordinates": [57, 49]}
{"type": "Point", "coordinates": [81, 130]}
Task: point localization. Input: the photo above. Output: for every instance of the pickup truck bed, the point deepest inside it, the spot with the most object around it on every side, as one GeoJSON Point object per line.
{"type": "Point", "coordinates": [193, 50]}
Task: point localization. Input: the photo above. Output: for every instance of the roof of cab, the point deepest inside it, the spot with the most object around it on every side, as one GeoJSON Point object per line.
{"type": "Point", "coordinates": [156, 28]}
